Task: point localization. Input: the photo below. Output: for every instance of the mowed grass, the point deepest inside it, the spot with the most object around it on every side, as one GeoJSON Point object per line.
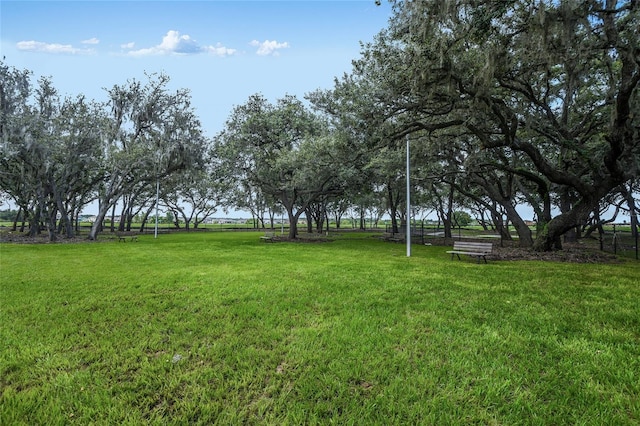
{"type": "Point", "coordinates": [220, 328]}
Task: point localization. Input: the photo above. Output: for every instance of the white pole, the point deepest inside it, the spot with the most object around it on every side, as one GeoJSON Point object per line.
{"type": "Point", "coordinates": [408, 225]}
{"type": "Point", "coordinates": [157, 201]}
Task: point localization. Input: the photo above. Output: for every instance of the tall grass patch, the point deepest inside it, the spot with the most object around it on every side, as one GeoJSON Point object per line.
{"type": "Point", "coordinates": [221, 328]}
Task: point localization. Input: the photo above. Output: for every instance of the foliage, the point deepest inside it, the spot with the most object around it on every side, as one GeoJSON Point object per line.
{"type": "Point", "coordinates": [504, 103]}
{"type": "Point", "coordinates": [285, 151]}
{"type": "Point", "coordinates": [461, 218]}
{"type": "Point", "coordinates": [49, 150]}
{"type": "Point", "coordinates": [10, 215]}
{"type": "Point", "coordinates": [58, 155]}
{"type": "Point", "coordinates": [527, 102]}
{"type": "Point", "coordinates": [153, 133]}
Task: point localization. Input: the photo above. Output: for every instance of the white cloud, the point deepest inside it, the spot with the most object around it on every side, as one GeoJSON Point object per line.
{"type": "Point", "coordinates": [175, 44]}
{"type": "Point", "coordinates": [128, 46]}
{"type": "Point", "coordinates": [269, 47]}
{"type": "Point", "coordinates": [38, 46]}
{"type": "Point", "coordinates": [220, 50]}
{"type": "Point", "coordinates": [92, 40]}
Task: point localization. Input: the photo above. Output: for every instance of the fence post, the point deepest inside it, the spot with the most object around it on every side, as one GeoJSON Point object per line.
{"type": "Point", "coordinates": [636, 232]}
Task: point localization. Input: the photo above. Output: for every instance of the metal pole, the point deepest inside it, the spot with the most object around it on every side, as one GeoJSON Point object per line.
{"type": "Point", "coordinates": [157, 201]}
{"type": "Point", "coordinates": [408, 225]}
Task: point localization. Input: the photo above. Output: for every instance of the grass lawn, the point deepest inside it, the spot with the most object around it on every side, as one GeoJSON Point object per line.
{"type": "Point", "coordinates": [221, 328]}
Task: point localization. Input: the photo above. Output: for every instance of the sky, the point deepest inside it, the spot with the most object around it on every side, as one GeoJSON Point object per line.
{"type": "Point", "coordinates": [222, 51]}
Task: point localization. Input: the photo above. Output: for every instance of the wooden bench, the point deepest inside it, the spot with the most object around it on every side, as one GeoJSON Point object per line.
{"type": "Point", "coordinates": [479, 250]}
{"type": "Point", "coordinates": [394, 238]}
{"type": "Point", "coordinates": [268, 237]}
{"type": "Point", "coordinates": [122, 237]}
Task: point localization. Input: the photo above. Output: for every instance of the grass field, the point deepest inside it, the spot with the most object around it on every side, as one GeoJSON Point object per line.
{"type": "Point", "coordinates": [220, 328]}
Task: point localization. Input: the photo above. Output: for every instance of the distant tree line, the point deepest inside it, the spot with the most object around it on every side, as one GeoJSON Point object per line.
{"type": "Point", "coordinates": [504, 104]}
{"type": "Point", "coordinates": [58, 154]}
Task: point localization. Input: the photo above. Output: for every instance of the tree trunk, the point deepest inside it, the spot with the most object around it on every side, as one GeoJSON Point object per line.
{"type": "Point", "coordinates": [96, 227]}
{"type": "Point", "coordinates": [129, 218]}
{"type": "Point", "coordinates": [293, 223]}
{"type": "Point", "coordinates": [446, 223]}
{"type": "Point", "coordinates": [113, 217]}
{"type": "Point", "coordinates": [326, 215]}
{"type": "Point", "coordinates": [123, 215]}
{"type": "Point", "coordinates": [549, 238]}
{"type": "Point", "coordinates": [34, 222]}
{"type": "Point", "coordinates": [498, 223]}
{"type": "Point", "coordinates": [145, 218]}
{"type": "Point", "coordinates": [15, 220]}
{"type": "Point", "coordinates": [307, 213]}
{"type": "Point", "coordinates": [565, 205]}
{"type": "Point", "coordinates": [524, 233]}
{"type": "Point", "coordinates": [394, 221]}
{"type": "Point", "coordinates": [445, 212]}
{"type": "Point", "coordinates": [52, 222]}
{"type": "Point", "coordinates": [272, 215]}
{"type": "Point", "coordinates": [481, 220]}
{"type": "Point", "coordinates": [23, 222]}
{"type": "Point", "coordinates": [393, 210]}
{"type": "Point", "coordinates": [64, 216]}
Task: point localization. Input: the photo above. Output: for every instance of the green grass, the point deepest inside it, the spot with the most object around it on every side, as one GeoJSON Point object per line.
{"type": "Point", "coordinates": [220, 328]}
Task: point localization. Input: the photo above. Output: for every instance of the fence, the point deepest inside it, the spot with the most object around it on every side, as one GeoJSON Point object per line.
{"type": "Point", "coordinates": [619, 240]}
{"type": "Point", "coordinates": [420, 233]}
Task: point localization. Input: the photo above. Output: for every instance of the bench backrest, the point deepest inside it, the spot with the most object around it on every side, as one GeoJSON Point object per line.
{"type": "Point", "coordinates": [473, 246]}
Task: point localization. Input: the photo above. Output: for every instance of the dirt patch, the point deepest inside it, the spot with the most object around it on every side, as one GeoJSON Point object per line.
{"type": "Point", "coordinates": [585, 251]}
{"type": "Point", "coordinates": [303, 238]}
{"type": "Point", "coordinates": [569, 253]}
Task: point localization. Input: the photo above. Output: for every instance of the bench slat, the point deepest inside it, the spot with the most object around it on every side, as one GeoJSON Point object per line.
{"type": "Point", "coordinates": [468, 252]}
{"type": "Point", "coordinates": [484, 246]}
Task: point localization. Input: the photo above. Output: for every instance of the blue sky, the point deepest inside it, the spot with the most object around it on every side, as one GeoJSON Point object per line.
{"type": "Point", "coordinates": [223, 51]}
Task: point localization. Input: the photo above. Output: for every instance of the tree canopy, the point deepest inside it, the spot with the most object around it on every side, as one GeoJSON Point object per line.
{"type": "Point", "coordinates": [58, 155]}
{"type": "Point", "coordinates": [505, 104]}
{"type": "Point", "coordinates": [285, 151]}
{"type": "Point", "coordinates": [539, 100]}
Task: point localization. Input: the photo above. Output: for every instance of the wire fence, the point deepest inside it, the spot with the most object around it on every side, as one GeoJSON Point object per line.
{"type": "Point", "coordinates": [619, 240]}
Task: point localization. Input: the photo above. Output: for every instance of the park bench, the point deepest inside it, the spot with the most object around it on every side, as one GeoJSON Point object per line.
{"type": "Point", "coordinates": [268, 237]}
{"type": "Point", "coordinates": [122, 237]}
{"type": "Point", "coordinates": [394, 238]}
{"type": "Point", "coordinates": [479, 250]}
